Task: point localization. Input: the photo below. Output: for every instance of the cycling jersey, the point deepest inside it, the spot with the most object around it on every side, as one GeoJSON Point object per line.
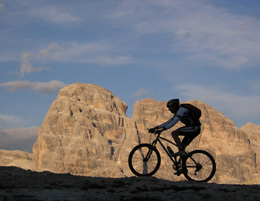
{"type": "Point", "coordinates": [183, 115]}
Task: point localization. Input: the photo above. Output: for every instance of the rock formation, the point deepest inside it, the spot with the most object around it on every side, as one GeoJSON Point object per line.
{"type": "Point", "coordinates": [86, 132]}
{"type": "Point", "coordinates": [229, 145]}
{"type": "Point", "coordinates": [82, 132]}
{"type": "Point", "coordinates": [16, 158]}
{"type": "Point", "coordinates": [253, 140]}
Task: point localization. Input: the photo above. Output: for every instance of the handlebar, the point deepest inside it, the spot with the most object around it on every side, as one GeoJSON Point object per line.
{"type": "Point", "coordinates": [156, 131]}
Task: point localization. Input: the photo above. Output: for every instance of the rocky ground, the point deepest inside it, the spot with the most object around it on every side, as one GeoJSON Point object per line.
{"type": "Point", "coordinates": [25, 185]}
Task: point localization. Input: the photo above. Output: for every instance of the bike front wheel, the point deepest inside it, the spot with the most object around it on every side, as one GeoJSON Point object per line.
{"type": "Point", "coordinates": [144, 160]}
{"type": "Point", "coordinates": [200, 166]}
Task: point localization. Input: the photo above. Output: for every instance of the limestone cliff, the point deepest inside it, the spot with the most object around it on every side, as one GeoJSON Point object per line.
{"type": "Point", "coordinates": [82, 132]}
{"type": "Point", "coordinates": [86, 132]}
{"type": "Point", "coordinates": [253, 140]}
{"type": "Point", "coordinates": [16, 158]}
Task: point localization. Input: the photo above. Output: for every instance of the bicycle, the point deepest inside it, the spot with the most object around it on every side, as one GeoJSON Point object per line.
{"type": "Point", "coordinates": [197, 165]}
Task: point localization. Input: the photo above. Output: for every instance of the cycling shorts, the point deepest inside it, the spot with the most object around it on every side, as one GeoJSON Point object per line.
{"type": "Point", "coordinates": [190, 132]}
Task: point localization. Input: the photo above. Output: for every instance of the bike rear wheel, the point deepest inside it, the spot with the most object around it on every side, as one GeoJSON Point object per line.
{"type": "Point", "coordinates": [144, 160]}
{"type": "Point", "coordinates": [200, 166]}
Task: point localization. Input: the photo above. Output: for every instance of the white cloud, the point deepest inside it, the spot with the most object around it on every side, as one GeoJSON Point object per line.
{"type": "Point", "coordinates": [19, 138]}
{"type": "Point", "coordinates": [22, 133]}
{"type": "Point", "coordinates": [140, 92]}
{"type": "Point", "coordinates": [27, 60]}
{"type": "Point", "coordinates": [26, 66]}
{"type": "Point", "coordinates": [205, 34]}
{"type": "Point", "coordinates": [39, 87]}
{"type": "Point", "coordinates": [44, 52]}
{"type": "Point", "coordinates": [91, 52]}
{"type": "Point", "coordinates": [10, 120]}
{"type": "Point", "coordinates": [48, 87]}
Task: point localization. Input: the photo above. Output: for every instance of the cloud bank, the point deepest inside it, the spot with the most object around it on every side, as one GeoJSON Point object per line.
{"type": "Point", "coordinates": [140, 92]}
{"type": "Point", "coordinates": [10, 120]}
{"type": "Point", "coordinates": [39, 87]}
{"type": "Point", "coordinates": [19, 138]}
{"type": "Point", "coordinates": [192, 32]}
{"type": "Point", "coordinates": [209, 35]}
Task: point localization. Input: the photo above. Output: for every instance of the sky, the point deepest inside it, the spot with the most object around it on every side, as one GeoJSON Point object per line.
{"type": "Point", "coordinates": [206, 50]}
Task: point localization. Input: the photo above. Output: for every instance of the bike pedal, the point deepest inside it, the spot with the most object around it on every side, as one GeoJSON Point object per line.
{"type": "Point", "coordinates": [177, 173]}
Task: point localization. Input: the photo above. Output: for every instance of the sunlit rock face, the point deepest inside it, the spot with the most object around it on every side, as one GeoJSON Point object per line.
{"type": "Point", "coordinates": [83, 132]}
{"type": "Point", "coordinates": [86, 132]}
{"type": "Point", "coordinates": [16, 158]}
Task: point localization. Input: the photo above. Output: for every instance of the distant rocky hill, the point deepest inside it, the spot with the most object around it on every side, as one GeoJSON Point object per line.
{"type": "Point", "coordinates": [86, 132]}
{"type": "Point", "coordinates": [16, 158]}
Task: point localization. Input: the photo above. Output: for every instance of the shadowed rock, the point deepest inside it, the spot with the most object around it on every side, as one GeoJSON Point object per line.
{"type": "Point", "coordinates": [19, 184]}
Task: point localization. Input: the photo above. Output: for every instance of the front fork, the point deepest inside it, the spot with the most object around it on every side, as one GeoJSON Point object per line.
{"type": "Point", "coordinates": [148, 155]}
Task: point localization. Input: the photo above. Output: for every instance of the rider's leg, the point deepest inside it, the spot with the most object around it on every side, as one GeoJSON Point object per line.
{"type": "Point", "coordinates": [175, 135]}
{"type": "Point", "coordinates": [190, 134]}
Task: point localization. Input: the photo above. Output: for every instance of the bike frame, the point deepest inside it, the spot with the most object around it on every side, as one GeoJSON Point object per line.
{"type": "Point", "coordinates": [173, 159]}
{"type": "Point", "coordinates": [184, 162]}
{"type": "Point", "coordinates": [158, 139]}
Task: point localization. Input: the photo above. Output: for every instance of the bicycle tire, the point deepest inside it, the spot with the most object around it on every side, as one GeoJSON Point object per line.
{"type": "Point", "coordinates": [136, 160]}
{"type": "Point", "coordinates": [204, 168]}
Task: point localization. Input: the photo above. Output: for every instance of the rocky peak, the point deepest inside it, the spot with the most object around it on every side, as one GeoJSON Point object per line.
{"type": "Point", "coordinates": [252, 130]}
{"type": "Point", "coordinates": [86, 132]}
{"type": "Point", "coordinates": [93, 96]}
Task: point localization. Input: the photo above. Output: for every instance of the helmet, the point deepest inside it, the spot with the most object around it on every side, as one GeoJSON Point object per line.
{"type": "Point", "coordinates": [173, 102]}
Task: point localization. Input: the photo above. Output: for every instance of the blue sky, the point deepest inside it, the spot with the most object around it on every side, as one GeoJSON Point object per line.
{"type": "Point", "coordinates": [206, 50]}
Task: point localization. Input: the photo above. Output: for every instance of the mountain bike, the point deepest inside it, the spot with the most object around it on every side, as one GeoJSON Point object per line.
{"type": "Point", "coordinates": [197, 165]}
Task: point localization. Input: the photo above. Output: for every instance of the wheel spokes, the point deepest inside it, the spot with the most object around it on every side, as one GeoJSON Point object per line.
{"type": "Point", "coordinates": [142, 165]}
{"type": "Point", "coordinates": [199, 166]}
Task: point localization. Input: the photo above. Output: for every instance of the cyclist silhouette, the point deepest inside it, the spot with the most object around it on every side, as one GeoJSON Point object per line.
{"type": "Point", "coordinates": [188, 115]}
{"type": "Point", "coordinates": [197, 165]}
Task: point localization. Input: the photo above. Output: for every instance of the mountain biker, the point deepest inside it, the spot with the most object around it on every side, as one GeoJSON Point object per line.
{"type": "Point", "coordinates": [186, 116]}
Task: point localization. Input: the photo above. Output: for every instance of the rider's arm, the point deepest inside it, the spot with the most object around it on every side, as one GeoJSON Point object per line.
{"type": "Point", "coordinates": [165, 123]}
{"type": "Point", "coordinates": [170, 123]}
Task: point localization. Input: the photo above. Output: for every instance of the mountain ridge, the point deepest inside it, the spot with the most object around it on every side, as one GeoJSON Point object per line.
{"type": "Point", "coordinates": [86, 132]}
